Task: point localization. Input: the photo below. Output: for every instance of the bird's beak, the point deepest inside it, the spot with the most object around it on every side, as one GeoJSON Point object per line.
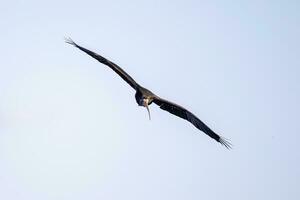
{"type": "Point", "coordinates": [147, 107]}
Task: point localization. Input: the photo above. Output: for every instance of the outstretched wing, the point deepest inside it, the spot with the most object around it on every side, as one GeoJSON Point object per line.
{"type": "Point", "coordinates": [187, 115]}
{"type": "Point", "coordinates": [110, 64]}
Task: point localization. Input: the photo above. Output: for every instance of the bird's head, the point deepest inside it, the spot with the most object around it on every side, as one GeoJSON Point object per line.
{"type": "Point", "coordinates": [145, 103]}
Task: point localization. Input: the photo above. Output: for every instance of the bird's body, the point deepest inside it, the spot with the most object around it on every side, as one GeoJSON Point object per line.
{"type": "Point", "coordinates": [145, 97]}
{"type": "Point", "coordinates": [142, 95]}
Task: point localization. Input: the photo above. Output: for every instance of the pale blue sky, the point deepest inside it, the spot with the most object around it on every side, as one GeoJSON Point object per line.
{"type": "Point", "coordinates": [71, 129]}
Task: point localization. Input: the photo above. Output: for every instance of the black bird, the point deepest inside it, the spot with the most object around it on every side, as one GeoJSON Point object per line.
{"type": "Point", "coordinates": [145, 97]}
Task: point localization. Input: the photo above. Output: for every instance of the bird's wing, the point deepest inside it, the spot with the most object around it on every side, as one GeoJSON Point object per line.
{"type": "Point", "coordinates": [187, 115]}
{"type": "Point", "coordinates": [110, 64]}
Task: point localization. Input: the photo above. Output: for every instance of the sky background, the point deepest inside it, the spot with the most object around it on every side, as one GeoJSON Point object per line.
{"type": "Point", "coordinates": [70, 127]}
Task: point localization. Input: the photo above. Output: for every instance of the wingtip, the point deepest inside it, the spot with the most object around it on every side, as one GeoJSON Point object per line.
{"type": "Point", "coordinates": [225, 142]}
{"type": "Point", "coordinates": [70, 41]}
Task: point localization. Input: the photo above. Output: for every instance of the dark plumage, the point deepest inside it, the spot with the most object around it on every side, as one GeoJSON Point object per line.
{"type": "Point", "coordinates": [145, 97]}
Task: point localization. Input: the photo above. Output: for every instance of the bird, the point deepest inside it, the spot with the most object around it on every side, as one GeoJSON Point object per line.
{"type": "Point", "coordinates": [145, 97]}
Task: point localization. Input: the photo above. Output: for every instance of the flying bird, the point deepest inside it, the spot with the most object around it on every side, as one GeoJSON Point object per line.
{"type": "Point", "coordinates": [145, 97]}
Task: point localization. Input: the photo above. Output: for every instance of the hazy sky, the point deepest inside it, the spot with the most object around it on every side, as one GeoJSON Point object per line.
{"type": "Point", "coordinates": [70, 127]}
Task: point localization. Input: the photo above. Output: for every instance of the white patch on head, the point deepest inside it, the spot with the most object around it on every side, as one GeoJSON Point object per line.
{"type": "Point", "coordinates": [146, 101]}
{"type": "Point", "coordinates": [143, 102]}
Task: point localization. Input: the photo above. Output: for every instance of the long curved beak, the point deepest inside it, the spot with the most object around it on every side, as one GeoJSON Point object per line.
{"type": "Point", "coordinates": [146, 105]}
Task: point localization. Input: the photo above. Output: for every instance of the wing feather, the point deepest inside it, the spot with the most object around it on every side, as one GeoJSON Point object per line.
{"type": "Point", "coordinates": [187, 115]}
{"type": "Point", "coordinates": [110, 64]}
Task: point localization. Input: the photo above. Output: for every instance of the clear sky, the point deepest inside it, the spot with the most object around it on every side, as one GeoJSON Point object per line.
{"type": "Point", "coordinates": [70, 127]}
